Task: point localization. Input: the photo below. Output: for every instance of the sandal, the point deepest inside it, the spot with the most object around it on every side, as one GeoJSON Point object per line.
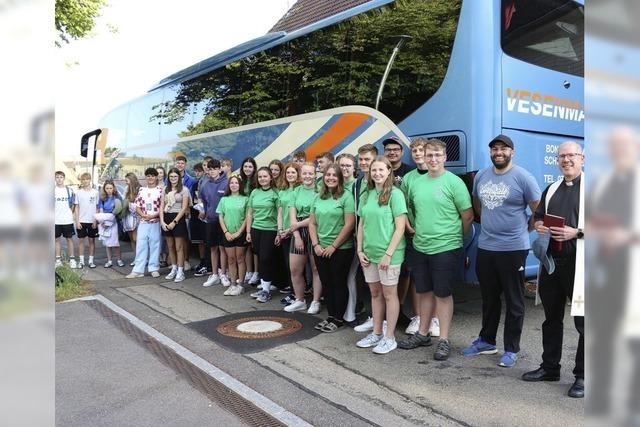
{"type": "Point", "coordinates": [331, 327]}
{"type": "Point", "coordinates": [321, 325]}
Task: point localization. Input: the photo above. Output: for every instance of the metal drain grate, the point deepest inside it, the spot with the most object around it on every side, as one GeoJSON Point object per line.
{"type": "Point", "coordinates": [213, 389]}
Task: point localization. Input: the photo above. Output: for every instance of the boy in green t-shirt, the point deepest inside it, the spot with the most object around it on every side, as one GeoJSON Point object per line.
{"type": "Point", "coordinates": [443, 215]}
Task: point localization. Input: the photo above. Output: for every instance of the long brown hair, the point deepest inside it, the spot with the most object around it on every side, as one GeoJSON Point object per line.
{"type": "Point", "coordinates": [279, 181]}
{"type": "Point", "coordinates": [103, 194]}
{"type": "Point", "coordinates": [284, 184]}
{"type": "Point", "coordinates": [325, 192]}
{"type": "Point", "coordinates": [387, 186]}
{"type": "Point", "coordinates": [238, 178]}
{"type": "Point", "coordinates": [133, 188]}
{"type": "Point", "coordinates": [169, 186]}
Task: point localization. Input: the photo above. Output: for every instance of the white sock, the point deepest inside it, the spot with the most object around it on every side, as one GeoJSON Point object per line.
{"type": "Point", "coordinates": [90, 259]}
{"type": "Point", "coordinates": [174, 268]}
{"type": "Point", "coordinates": [180, 270]}
{"type": "Point", "coordinates": [265, 285]}
{"type": "Point", "coordinates": [81, 257]}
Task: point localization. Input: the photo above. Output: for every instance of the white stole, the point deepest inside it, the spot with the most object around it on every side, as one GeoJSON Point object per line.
{"type": "Point", "coordinates": [577, 299]}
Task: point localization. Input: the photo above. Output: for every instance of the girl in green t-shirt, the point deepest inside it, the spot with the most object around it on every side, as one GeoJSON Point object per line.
{"type": "Point", "coordinates": [331, 230]}
{"type": "Point", "coordinates": [381, 245]}
{"type": "Point", "coordinates": [300, 249]}
{"type": "Point", "coordinates": [262, 226]}
{"type": "Point", "coordinates": [232, 215]}
{"type": "Point", "coordinates": [286, 183]}
{"type": "Point", "coordinates": [248, 175]}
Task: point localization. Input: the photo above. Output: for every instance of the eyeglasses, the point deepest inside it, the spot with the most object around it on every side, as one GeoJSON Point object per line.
{"type": "Point", "coordinates": [568, 156]}
{"type": "Point", "coordinates": [434, 156]}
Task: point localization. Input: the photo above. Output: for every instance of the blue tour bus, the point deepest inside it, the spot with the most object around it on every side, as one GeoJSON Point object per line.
{"type": "Point", "coordinates": [459, 70]}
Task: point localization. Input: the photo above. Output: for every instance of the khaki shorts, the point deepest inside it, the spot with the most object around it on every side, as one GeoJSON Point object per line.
{"type": "Point", "coordinates": [388, 277]}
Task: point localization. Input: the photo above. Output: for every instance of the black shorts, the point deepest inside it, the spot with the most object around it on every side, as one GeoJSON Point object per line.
{"type": "Point", "coordinates": [213, 236]}
{"type": "Point", "coordinates": [180, 230]}
{"type": "Point", "coordinates": [437, 272]}
{"type": "Point", "coordinates": [239, 242]}
{"type": "Point", "coordinates": [197, 228]}
{"type": "Point", "coordinates": [304, 234]}
{"type": "Point", "coordinates": [66, 230]}
{"type": "Point", "coordinates": [87, 230]}
{"type": "Point", "coordinates": [407, 265]}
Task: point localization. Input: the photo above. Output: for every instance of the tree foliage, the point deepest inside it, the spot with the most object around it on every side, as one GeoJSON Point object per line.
{"type": "Point", "coordinates": [75, 18]}
{"type": "Point", "coordinates": [335, 66]}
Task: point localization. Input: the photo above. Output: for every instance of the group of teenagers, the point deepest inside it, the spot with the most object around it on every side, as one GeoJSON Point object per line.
{"type": "Point", "coordinates": [324, 228]}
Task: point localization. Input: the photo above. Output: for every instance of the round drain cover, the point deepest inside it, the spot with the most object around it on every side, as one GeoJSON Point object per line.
{"type": "Point", "coordinates": [259, 327]}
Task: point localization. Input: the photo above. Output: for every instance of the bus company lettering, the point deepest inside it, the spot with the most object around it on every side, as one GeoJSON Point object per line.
{"type": "Point", "coordinates": [528, 102]}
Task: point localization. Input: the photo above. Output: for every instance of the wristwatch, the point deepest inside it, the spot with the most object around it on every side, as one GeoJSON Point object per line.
{"type": "Point", "coordinates": [580, 234]}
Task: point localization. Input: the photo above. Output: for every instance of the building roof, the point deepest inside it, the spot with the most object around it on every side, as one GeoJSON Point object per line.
{"type": "Point", "coordinates": [305, 12]}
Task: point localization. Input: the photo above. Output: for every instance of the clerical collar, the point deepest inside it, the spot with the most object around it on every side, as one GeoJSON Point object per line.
{"type": "Point", "coordinates": [574, 181]}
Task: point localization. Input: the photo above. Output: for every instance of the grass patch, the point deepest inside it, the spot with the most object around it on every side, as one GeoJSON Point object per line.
{"type": "Point", "coordinates": [72, 285]}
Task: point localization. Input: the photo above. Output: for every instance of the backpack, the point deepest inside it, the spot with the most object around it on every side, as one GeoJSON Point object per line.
{"type": "Point", "coordinates": [71, 197]}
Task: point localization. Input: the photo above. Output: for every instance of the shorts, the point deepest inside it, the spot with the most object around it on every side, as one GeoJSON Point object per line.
{"type": "Point", "coordinates": [87, 230]}
{"type": "Point", "coordinates": [239, 242]}
{"type": "Point", "coordinates": [197, 227]}
{"type": "Point", "coordinates": [388, 277]}
{"type": "Point", "coordinates": [180, 230]}
{"type": "Point", "coordinates": [407, 265]}
{"type": "Point", "coordinates": [306, 249]}
{"type": "Point", "coordinates": [213, 234]}
{"type": "Point", "coordinates": [66, 230]}
{"type": "Point", "coordinates": [437, 272]}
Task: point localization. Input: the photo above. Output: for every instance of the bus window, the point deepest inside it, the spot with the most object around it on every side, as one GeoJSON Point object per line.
{"type": "Point", "coordinates": [547, 33]}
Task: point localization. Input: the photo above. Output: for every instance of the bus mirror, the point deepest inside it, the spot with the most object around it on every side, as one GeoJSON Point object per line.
{"type": "Point", "coordinates": [84, 142]}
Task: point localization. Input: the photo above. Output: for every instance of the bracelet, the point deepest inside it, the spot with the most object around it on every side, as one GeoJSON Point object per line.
{"type": "Point", "coordinates": [388, 255]}
{"type": "Point", "coordinates": [333, 246]}
{"type": "Point", "coordinates": [175, 222]}
{"type": "Point", "coordinates": [316, 244]}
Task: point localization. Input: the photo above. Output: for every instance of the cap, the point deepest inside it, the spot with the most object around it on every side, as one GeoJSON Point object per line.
{"type": "Point", "coordinates": [540, 247]}
{"type": "Point", "coordinates": [502, 138]}
{"type": "Point", "coordinates": [392, 140]}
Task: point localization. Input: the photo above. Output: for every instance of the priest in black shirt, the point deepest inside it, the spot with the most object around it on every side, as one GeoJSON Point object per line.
{"type": "Point", "coordinates": [563, 199]}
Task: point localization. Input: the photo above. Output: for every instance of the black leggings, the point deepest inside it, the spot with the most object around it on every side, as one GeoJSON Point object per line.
{"type": "Point", "coordinates": [333, 275]}
{"type": "Point", "coordinates": [263, 244]}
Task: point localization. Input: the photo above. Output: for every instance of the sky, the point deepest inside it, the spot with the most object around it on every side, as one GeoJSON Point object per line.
{"type": "Point", "coordinates": [153, 39]}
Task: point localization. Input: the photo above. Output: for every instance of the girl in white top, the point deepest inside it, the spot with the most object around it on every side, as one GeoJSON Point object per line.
{"type": "Point", "coordinates": [173, 211]}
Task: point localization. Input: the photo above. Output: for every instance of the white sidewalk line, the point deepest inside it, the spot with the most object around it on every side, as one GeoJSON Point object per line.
{"type": "Point", "coordinates": [261, 401]}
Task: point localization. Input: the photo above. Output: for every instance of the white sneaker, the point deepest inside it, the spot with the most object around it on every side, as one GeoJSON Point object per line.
{"type": "Point", "coordinates": [108, 264]}
{"type": "Point", "coordinates": [434, 327]}
{"type": "Point", "coordinates": [413, 326]}
{"type": "Point", "coordinates": [297, 305]}
{"type": "Point", "coordinates": [385, 346]}
{"type": "Point", "coordinates": [248, 275]}
{"type": "Point", "coordinates": [120, 263]}
{"type": "Point", "coordinates": [314, 307]}
{"type": "Point", "coordinates": [225, 280]}
{"type": "Point", "coordinates": [366, 326]}
{"type": "Point", "coordinates": [255, 278]}
{"type": "Point", "coordinates": [234, 290]}
{"type": "Point", "coordinates": [132, 263]}
{"type": "Point", "coordinates": [81, 265]}
{"type": "Point", "coordinates": [72, 263]}
{"type": "Point", "coordinates": [179, 277]}
{"type": "Point", "coordinates": [58, 262]}
{"type": "Point", "coordinates": [214, 279]}
{"type": "Point", "coordinates": [370, 340]}
{"type": "Point", "coordinates": [133, 275]}
{"type": "Point", "coordinates": [172, 275]}
{"type": "Point", "coordinates": [155, 274]}
{"type": "Point", "coordinates": [187, 266]}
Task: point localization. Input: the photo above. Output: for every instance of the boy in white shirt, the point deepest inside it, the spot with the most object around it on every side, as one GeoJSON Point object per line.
{"type": "Point", "coordinates": [64, 208]}
{"type": "Point", "coordinates": [86, 226]}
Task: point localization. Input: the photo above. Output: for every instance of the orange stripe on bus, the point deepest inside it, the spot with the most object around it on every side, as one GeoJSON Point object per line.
{"type": "Point", "coordinates": [342, 128]}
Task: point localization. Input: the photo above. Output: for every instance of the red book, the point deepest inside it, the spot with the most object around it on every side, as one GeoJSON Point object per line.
{"type": "Point", "coordinates": [554, 221]}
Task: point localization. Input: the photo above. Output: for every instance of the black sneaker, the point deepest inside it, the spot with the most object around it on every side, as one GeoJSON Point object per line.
{"type": "Point", "coordinates": [286, 290]}
{"type": "Point", "coordinates": [443, 350]}
{"type": "Point", "coordinates": [414, 341]}
{"type": "Point", "coordinates": [288, 300]}
{"type": "Point", "coordinates": [201, 271]}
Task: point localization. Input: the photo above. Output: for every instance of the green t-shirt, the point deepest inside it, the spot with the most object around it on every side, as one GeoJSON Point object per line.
{"type": "Point", "coordinates": [329, 215]}
{"type": "Point", "coordinates": [302, 200]}
{"type": "Point", "coordinates": [234, 209]}
{"type": "Point", "coordinates": [438, 203]}
{"type": "Point", "coordinates": [265, 209]}
{"type": "Point", "coordinates": [379, 224]}
{"type": "Point", "coordinates": [407, 180]}
{"type": "Point", "coordinates": [285, 198]}
{"type": "Point", "coordinates": [348, 185]}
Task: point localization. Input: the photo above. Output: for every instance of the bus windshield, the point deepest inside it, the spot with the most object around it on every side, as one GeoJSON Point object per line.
{"type": "Point", "coordinates": [547, 33]}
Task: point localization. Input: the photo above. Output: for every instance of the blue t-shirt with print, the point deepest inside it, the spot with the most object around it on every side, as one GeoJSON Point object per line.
{"type": "Point", "coordinates": [505, 199]}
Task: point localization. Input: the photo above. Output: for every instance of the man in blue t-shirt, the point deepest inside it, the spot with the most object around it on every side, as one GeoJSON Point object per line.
{"type": "Point", "coordinates": [501, 195]}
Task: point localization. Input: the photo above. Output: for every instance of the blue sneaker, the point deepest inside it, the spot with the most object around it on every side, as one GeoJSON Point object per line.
{"type": "Point", "coordinates": [508, 359]}
{"type": "Point", "coordinates": [479, 346]}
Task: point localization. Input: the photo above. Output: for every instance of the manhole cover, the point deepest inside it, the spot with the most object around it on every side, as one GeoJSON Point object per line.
{"type": "Point", "coordinates": [259, 327]}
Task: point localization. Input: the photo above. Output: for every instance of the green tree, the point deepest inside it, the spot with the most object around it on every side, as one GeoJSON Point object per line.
{"type": "Point", "coordinates": [75, 18]}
